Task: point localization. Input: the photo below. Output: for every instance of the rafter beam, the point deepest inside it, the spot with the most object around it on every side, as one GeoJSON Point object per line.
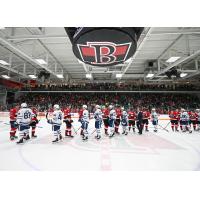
{"type": "Point", "coordinates": [14, 71]}
{"type": "Point", "coordinates": [178, 62]}
{"type": "Point", "coordinates": [25, 56]}
{"type": "Point", "coordinates": [138, 49]}
{"type": "Point", "coordinates": [41, 37]}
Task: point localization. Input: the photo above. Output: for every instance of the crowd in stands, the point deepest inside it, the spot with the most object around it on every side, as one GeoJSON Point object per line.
{"type": "Point", "coordinates": [111, 87]}
{"type": "Point", "coordinates": [162, 102]}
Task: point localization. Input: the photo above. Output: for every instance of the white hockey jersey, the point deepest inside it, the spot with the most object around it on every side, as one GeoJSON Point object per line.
{"type": "Point", "coordinates": [112, 114]}
{"type": "Point", "coordinates": [98, 115]}
{"type": "Point", "coordinates": [85, 116]}
{"type": "Point", "coordinates": [124, 115]}
{"type": "Point", "coordinates": [154, 116]}
{"type": "Point", "coordinates": [184, 116]}
{"type": "Point", "coordinates": [124, 118]}
{"type": "Point", "coordinates": [57, 117]}
{"type": "Point", "coordinates": [24, 116]}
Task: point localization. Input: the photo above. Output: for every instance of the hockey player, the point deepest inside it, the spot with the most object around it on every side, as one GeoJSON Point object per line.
{"type": "Point", "coordinates": [34, 122]}
{"type": "Point", "coordinates": [68, 121]}
{"type": "Point", "coordinates": [198, 119]}
{"type": "Point", "coordinates": [193, 119]}
{"type": "Point", "coordinates": [13, 123]}
{"type": "Point", "coordinates": [68, 130]}
{"type": "Point", "coordinates": [184, 117]}
{"type": "Point", "coordinates": [105, 112]}
{"type": "Point", "coordinates": [124, 121]}
{"type": "Point", "coordinates": [85, 122]}
{"type": "Point", "coordinates": [146, 117]}
{"type": "Point", "coordinates": [154, 118]}
{"type": "Point", "coordinates": [98, 121]}
{"type": "Point", "coordinates": [111, 121]}
{"type": "Point", "coordinates": [172, 119]}
{"type": "Point", "coordinates": [139, 120]}
{"type": "Point", "coordinates": [67, 112]}
{"type": "Point", "coordinates": [117, 121]}
{"type": "Point", "coordinates": [176, 119]}
{"type": "Point", "coordinates": [24, 117]}
{"type": "Point", "coordinates": [181, 123]}
{"type": "Point", "coordinates": [80, 113]}
{"type": "Point", "coordinates": [56, 122]}
{"type": "Point", "coordinates": [132, 118]}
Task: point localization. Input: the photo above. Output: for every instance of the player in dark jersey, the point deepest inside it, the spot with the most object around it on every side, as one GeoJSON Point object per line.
{"type": "Point", "coordinates": [105, 112]}
{"type": "Point", "coordinates": [117, 121]}
{"type": "Point", "coordinates": [68, 121]}
{"type": "Point", "coordinates": [34, 122]}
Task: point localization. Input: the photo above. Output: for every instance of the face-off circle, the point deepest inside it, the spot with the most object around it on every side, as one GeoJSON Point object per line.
{"type": "Point", "coordinates": [104, 46]}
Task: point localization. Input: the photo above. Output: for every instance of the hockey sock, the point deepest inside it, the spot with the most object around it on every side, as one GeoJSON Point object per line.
{"type": "Point", "coordinates": [129, 128]}
{"type": "Point", "coordinates": [194, 126]}
{"type": "Point", "coordinates": [172, 127]}
{"type": "Point", "coordinates": [146, 127]}
{"type": "Point", "coordinates": [12, 132]}
{"type": "Point", "coordinates": [70, 132]}
{"type": "Point", "coordinates": [66, 132]}
{"type": "Point", "coordinates": [33, 131]}
{"type": "Point", "coordinates": [176, 127]}
{"type": "Point", "coordinates": [116, 129]}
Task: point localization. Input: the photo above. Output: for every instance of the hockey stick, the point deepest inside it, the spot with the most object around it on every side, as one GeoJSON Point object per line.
{"type": "Point", "coordinates": [74, 129]}
{"type": "Point", "coordinates": [47, 116]}
{"type": "Point", "coordinates": [9, 124]}
{"type": "Point", "coordinates": [163, 128]}
{"type": "Point", "coordinates": [93, 131]}
{"type": "Point", "coordinates": [77, 130]}
{"type": "Point", "coordinates": [167, 124]}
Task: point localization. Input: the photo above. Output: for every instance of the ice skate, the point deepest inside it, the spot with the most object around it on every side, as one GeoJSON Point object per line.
{"type": "Point", "coordinates": [13, 137]}
{"type": "Point", "coordinates": [85, 138]}
{"type": "Point", "coordinates": [55, 141]}
{"type": "Point", "coordinates": [97, 137]}
{"type": "Point", "coordinates": [21, 141]}
{"type": "Point", "coordinates": [27, 137]}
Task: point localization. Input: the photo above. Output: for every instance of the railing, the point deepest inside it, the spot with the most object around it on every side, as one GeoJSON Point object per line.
{"type": "Point", "coordinates": [112, 91]}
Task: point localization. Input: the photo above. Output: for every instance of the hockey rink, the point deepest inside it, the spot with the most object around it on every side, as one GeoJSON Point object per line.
{"type": "Point", "coordinates": [150, 151]}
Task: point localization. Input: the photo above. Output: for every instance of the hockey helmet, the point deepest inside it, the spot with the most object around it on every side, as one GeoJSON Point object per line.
{"type": "Point", "coordinates": [97, 106]}
{"type": "Point", "coordinates": [85, 106]}
{"type": "Point", "coordinates": [24, 105]}
{"type": "Point", "coordinates": [56, 106]}
{"type": "Point", "coordinates": [110, 107]}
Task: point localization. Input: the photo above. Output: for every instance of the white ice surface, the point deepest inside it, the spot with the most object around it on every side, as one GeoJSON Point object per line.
{"type": "Point", "coordinates": [150, 151]}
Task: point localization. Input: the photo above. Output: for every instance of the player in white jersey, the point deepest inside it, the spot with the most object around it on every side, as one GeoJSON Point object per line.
{"type": "Point", "coordinates": [56, 122]}
{"type": "Point", "coordinates": [184, 117]}
{"type": "Point", "coordinates": [111, 121]}
{"type": "Point", "coordinates": [124, 121]}
{"type": "Point", "coordinates": [154, 119]}
{"type": "Point", "coordinates": [24, 117]}
{"type": "Point", "coordinates": [85, 121]}
{"type": "Point", "coordinates": [98, 121]}
{"type": "Point", "coordinates": [198, 119]}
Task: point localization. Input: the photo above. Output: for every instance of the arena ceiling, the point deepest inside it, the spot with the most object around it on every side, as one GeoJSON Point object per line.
{"type": "Point", "coordinates": [21, 46]}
